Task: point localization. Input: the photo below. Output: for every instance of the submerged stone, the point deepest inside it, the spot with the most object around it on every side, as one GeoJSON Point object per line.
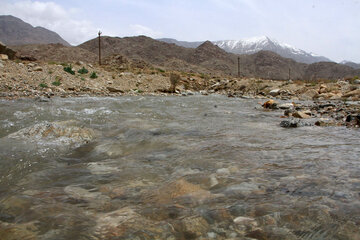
{"type": "Point", "coordinates": [66, 132]}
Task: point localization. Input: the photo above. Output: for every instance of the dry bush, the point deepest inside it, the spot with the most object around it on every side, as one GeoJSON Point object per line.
{"type": "Point", "coordinates": [174, 80]}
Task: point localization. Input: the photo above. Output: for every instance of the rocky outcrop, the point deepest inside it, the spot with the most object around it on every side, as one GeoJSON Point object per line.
{"type": "Point", "coordinates": [7, 51]}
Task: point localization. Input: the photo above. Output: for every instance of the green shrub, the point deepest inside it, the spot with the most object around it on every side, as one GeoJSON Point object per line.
{"type": "Point", "coordinates": [43, 85]}
{"type": "Point", "coordinates": [93, 75]}
{"type": "Point", "coordinates": [83, 70]}
{"type": "Point", "coordinates": [56, 83]}
{"type": "Point", "coordinates": [82, 79]}
{"type": "Point", "coordinates": [68, 69]}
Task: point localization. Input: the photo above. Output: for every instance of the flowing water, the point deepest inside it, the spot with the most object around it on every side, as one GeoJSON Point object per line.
{"type": "Point", "coordinates": [199, 167]}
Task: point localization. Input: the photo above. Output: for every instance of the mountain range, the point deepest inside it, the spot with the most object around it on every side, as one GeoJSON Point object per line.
{"type": "Point", "coordinates": [210, 58]}
{"type": "Point", "coordinates": [202, 57]}
{"type": "Point", "coordinates": [14, 31]}
{"type": "Point", "coordinates": [256, 44]}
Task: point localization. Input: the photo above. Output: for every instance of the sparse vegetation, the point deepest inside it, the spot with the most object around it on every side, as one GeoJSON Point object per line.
{"type": "Point", "coordinates": [43, 85]}
{"type": "Point", "coordinates": [160, 70]}
{"type": "Point", "coordinates": [83, 70]}
{"type": "Point", "coordinates": [56, 83]}
{"type": "Point", "coordinates": [174, 80]}
{"type": "Point", "coordinates": [93, 75]}
{"type": "Point", "coordinates": [69, 69]}
{"type": "Point", "coordinates": [82, 79]}
{"type": "Point", "coordinates": [203, 76]}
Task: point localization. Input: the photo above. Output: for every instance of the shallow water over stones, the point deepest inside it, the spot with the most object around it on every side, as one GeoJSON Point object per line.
{"type": "Point", "coordinates": [199, 167]}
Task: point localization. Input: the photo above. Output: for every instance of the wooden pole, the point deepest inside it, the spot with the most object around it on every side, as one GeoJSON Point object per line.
{"type": "Point", "coordinates": [289, 73]}
{"type": "Point", "coordinates": [99, 47]}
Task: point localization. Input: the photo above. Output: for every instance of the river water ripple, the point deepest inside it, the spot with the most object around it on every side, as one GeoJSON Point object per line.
{"type": "Point", "coordinates": [199, 167]}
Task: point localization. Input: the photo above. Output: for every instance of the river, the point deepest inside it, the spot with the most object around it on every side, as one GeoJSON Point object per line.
{"type": "Point", "coordinates": [196, 167]}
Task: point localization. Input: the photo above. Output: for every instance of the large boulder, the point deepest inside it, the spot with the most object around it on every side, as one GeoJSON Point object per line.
{"type": "Point", "coordinates": [7, 51]}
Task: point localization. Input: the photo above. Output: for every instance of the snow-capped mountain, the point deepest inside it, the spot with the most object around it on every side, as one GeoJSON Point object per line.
{"type": "Point", "coordinates": [256, 44]}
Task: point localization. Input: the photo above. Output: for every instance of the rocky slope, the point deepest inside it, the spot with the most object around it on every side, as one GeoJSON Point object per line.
{"type": "Point", "coordinates": [55, 53]}
{"type": "Point", "coordinates": [14, 31]}
{"type": "Point", "coordinates": [208, 58]}
{"type": "Point", "coordinates": [329, 70]}
{"type": "Point", "coordinates": [159, 53]}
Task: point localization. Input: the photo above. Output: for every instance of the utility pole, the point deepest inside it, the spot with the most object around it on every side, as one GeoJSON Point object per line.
{"type": "Point", "coordinates": [289, 73]}
{"type": "Point", "coordinates": [238, 66]}
{"type": "Point", "coordinates": [99, 47]}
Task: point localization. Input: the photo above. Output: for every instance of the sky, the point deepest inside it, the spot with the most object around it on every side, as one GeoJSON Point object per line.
{"type": "Point", "coordinates": [330, 28]}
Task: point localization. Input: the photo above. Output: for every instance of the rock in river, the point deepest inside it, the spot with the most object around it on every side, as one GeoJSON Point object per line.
{"type": "Point", "coordinates": [292, 123]}
{"type": "Point", "coordinates": [65, 133]}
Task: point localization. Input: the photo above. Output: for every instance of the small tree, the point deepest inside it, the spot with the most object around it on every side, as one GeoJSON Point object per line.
{"type": "Point", "coordinates": [174, 80]}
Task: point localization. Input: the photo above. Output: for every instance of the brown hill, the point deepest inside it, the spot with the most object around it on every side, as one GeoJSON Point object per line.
{"type": "Point", "coordinates": [209, 58]}
{"type": "Point", "coordinates": [55, 52]}
{"type": "Point", "coordinates": [145, 48]}
{"type": "Point", "coordinates": [269, 65]}
{"type": "Point", "coordinates": [207, 51]}
{"type": "Point", "coordinates": [206, 58]}
{"type": "Point", "coordinates": [14, 31]}
{"type": "Point", "coordinates": [213, 58]}
{"type": "Point", "coordinates": [329, 70]}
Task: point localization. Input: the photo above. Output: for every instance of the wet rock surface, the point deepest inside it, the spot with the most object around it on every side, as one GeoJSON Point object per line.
{"type": "Point", "coordinates": [65, 132]}
{"type": "Point", "coordinates": [319, 113]}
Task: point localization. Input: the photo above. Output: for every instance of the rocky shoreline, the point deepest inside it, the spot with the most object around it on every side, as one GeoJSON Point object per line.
{"type": "Point", "coordinates": [332, 103]}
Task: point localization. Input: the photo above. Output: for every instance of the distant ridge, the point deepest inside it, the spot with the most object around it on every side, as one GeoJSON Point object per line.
{"type": "Point", "coordinates": [211, 59]}
{"type": "Point", "coordinates": [14, 31]}
{"type": "Point", "coordinates": [256, 44]}
{"type": "Point", "coordinates": [351, 64]}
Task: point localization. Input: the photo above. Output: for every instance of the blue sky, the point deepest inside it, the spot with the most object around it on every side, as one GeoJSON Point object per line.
{"type": "Point", "coordinates": [326, 27]}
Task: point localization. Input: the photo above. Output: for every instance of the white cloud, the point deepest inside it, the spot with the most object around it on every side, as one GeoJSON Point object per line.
{"type": "Point", "coordinates": [143, 30]}
{"type": "Point", "coordinates": [53, 17]}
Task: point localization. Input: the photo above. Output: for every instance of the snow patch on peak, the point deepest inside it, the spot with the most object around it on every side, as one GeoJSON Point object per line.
{"type": "Point", "coordinates": [256, 44]}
